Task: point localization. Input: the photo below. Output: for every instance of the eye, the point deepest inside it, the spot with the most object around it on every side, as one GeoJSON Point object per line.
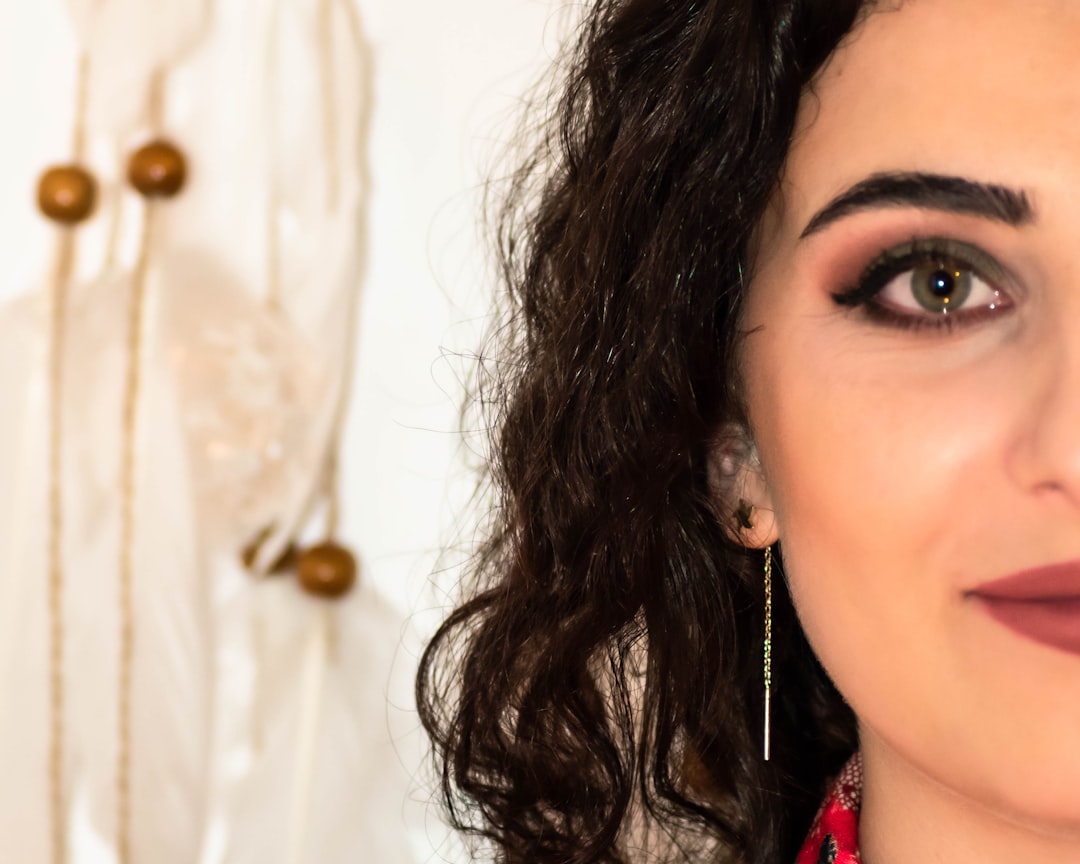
{"type": "Point", "coordinates": [940, 288]}
{"type": "Point", "coordinates": [929, 282]}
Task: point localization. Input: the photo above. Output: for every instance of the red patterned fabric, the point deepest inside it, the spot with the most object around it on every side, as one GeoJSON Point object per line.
{"type": "Point", "coordinates": [834, 836]}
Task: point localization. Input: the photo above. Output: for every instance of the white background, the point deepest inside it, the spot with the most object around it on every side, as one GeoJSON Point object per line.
{"type": "Point", "coordinates": [449, 78]}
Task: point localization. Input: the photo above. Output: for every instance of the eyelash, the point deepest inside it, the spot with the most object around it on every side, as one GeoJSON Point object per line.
{"type": "Point", "coordinates": [947, 253]}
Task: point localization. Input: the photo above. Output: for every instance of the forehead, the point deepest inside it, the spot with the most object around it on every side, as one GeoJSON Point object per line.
{"type": "Point", "coordinates": [988, 89]}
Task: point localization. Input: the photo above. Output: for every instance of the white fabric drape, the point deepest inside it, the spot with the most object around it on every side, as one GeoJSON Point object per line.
{"type": "Point", "coordinates": [259, 727]}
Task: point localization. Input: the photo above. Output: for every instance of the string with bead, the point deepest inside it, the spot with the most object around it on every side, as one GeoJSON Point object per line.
{"type": "Point", "coordinates": [327, 569]}
{"type": "Point", "coordinates": [315, 576]}
{"type": "Point", "coordinates": [157, 171]}
{"type": "Point", "coordinates": [66, 196]}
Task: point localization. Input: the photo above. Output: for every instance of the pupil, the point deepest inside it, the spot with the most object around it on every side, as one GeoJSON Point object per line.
{"type": "Point", "coordinates": [942, 283]}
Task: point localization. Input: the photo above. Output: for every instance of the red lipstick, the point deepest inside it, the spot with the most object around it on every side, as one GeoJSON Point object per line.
{"type": "Point", "coordinates": [1042, 604]}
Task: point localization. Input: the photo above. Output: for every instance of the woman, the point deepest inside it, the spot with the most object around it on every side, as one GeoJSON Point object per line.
{"type": "Point", "coordinates": [798, 289]}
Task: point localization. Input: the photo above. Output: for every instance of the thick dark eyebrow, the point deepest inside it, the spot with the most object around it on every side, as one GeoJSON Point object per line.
{"type": "Point", "coordinates": [926, 192]}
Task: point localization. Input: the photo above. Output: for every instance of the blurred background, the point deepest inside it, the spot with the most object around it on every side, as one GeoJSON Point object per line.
{"type": "Point", "coordinates": [202, 382]}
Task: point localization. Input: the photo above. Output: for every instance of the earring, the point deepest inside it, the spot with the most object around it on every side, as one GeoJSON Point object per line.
{"type": "Point", "coordinates": [744, 514]}
{"type": "Point", "coordinates": [767, 660]}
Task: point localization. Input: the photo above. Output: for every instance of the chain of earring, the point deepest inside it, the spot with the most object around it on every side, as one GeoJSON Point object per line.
{"type": "Point", "coordinates": [767, 659]}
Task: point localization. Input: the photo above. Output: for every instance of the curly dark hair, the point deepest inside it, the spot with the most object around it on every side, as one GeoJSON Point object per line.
{"type": "Point", "coordinates": [599, 693]}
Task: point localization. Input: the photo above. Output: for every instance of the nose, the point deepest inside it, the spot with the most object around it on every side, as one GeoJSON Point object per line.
{"type": "Point", "coordinates": [1046, 453]}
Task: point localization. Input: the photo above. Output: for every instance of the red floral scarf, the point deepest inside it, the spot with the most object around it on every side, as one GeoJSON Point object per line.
{"type": "Point", "coordinates": [834, 836]}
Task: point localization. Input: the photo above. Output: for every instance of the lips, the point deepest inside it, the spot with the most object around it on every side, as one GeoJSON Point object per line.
{"type": "Point", "coordinates": [1042, 604]}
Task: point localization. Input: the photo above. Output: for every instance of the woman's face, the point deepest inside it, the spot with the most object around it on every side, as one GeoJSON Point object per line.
{"type": "Point", "coordinates": [914, 393]}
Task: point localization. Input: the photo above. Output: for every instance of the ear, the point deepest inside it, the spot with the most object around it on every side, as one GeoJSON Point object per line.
{"type": "Point", "coordinates": [740, 491]}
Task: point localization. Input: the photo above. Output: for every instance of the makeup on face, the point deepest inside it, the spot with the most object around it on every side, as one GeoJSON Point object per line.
{"type": "Point", "coordinates": [912, 370]}
{"type": "Point", "coordinates": [1041, 604]}
{"type": "Point", "coordinates": [930, 282]}
{"type": "Point", "coordinates": [936, 282]}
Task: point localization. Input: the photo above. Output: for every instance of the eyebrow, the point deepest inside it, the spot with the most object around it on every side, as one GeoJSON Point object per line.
{"type": "Point", "coordinates": [926, 192]}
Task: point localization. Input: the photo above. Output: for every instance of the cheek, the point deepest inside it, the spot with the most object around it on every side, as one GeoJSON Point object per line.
{"type": "Point", "coordinates": [882, 471]}
{"type": "Point", "coordinates": [874, 466]}
{"type": "Point", "coordinates": [890, 474]}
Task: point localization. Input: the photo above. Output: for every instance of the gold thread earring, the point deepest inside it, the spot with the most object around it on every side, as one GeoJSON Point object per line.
{"type": "Point", "coordinates": [767, 659]}
{"type": "Point", "coordinates": [744, 514]}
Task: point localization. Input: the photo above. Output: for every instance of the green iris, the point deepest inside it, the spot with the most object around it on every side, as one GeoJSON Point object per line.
{"type": "Point", "coordinates": [940, 288]}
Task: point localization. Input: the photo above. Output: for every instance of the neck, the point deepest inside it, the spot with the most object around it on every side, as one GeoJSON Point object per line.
{"type": "Point", "coordinates": [908, 816]}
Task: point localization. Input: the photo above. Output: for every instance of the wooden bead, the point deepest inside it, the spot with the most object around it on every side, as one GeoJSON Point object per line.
{"type": "Point", "coordinates": [326, 570]}
{"type": "Point", "coordinates": [66, 194]}
{"type": "Point", "coordinates": [157, 170]}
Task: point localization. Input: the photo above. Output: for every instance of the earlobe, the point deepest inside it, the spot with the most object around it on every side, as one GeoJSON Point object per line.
{"type": "Point", "coordinates": [757, 527]}
{"type": "Point", "coordinates": [741, 493]}
{"type": "Point", "coordinates": [754, 494]}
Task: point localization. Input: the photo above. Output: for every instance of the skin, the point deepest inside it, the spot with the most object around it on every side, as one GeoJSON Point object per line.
{"type": "Point", "coordinates": [901, 468]}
